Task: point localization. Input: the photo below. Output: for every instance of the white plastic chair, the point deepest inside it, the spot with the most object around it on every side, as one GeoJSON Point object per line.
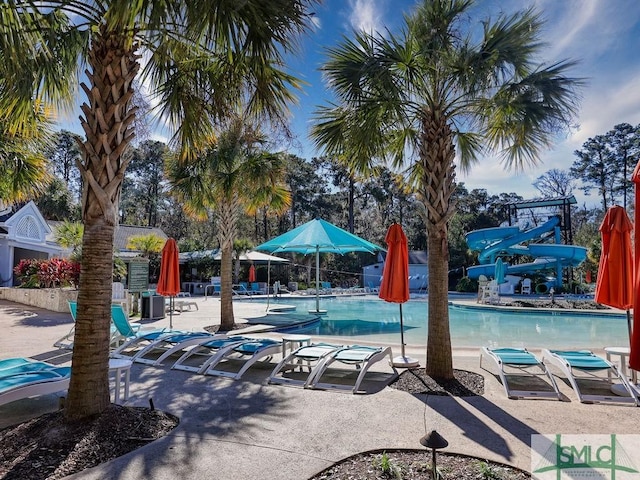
{"type": "Point", "coordinates": [526, 287]}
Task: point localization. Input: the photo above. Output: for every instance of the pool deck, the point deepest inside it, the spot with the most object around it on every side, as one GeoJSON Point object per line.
{"type": "Point", "coordinates": [249, 429]}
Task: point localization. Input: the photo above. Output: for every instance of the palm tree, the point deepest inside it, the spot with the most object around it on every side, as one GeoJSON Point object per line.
{"type": "Point", "coordinates": [435, 91]}
{"type": "Point", "coordinates": [23, 172]}
{"type": "Point", "coordinates": [69, 235]}
{"type": "Point", "coordinates": [200, 58]}
{"type": "Point", "coordinates": [234, 175]}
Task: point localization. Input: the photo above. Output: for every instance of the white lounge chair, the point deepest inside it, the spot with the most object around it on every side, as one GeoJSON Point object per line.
{"type": "Point", "coordinates": [153, 348]}
{"type": "Point", "coordinates": [521, 363]}
{"type": "Point", "coordinates": [580, 365]}
{"type": "Point", "coordinates": [120, 296]}
{"type": "Point", "coordinates": [18, 382]}
{"type": "Point", "coordinates": [307, 356]}
{"type": "Point", "coordinates": [248, 352]}
{"type": "Point", "coordinates": [199, 356]}
{"type": "Point", "coordinates": [362, 357]}
{"type": "Point", "coordinates": [165, 346]}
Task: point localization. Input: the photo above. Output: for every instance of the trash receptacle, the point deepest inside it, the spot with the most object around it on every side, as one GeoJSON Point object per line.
{"type": "Point", "coordinates": [152, 307]}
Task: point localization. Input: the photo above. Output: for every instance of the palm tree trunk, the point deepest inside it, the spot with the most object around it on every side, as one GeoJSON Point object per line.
{"type": "Point", "coordinates": [226, 214]}
{"type": "Point", "coordinates": [89, 387]}
{"type": "Point", "coordinates": [436, 156]}
{"type": "Point", "coordinates": [106, 123]}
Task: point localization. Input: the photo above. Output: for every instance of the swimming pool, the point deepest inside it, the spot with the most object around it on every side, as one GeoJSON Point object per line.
{"type": "Point", "coordinates": [374, 320]}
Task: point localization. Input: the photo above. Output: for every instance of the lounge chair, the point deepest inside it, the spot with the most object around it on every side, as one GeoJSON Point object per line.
{"type": "Point", "coordinates": [362, 357]}
{"type": "Point", "coordinates": [164, 346]}
{"type": "Point", "coordinates": [249, 351]}
{"type": "Point", "coordinates": [519, 362]}
{"type": "Point", "coordinates": [240, 289]}
{"type": "Point", "coordinates": [200, 355]}
{"type": "Point", "coordinates": [307, 356]}
{"type": "Point", "coordinates": [121, 296]}
{"type": "Point", "coordinates": [257, 289]}
{"type": "Point", "coordinates": [28, 383]}
{"type": "Point", "coordinates": [125, 330]}
{"type": "Point", "coordinates": [139, 345]}
{"type": "Point", "coordinates": [16, 365]}
{"type": "Point", "coordinates": [116, 338]}
{"type": "Point", "coordinates": [588, 366]}
{"type": "Point", "coordinates": [66, 342]}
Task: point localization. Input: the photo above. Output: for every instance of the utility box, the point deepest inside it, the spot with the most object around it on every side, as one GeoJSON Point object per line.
{"type": "Point", "coordinates": [152, 307]}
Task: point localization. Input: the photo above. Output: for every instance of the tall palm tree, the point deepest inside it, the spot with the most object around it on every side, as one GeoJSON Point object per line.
{"type": "Point", "coordinates": [199, 58]}
{"type": "Point", "coordinates": [439, 89]}
{"type": "Point", "coordinates": [234, 175]}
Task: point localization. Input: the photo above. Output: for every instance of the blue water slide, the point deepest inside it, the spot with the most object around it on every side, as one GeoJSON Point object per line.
{"type": "Point", "coordinates": [507, 240]}
{"type": "Point", "coordinates": [491, 241]}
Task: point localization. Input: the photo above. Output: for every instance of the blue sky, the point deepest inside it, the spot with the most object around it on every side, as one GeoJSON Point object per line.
{"type": "Point", "coordinates": [603, 35]}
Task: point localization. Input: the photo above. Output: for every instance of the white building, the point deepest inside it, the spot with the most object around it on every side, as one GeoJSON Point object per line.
{"type": "Point", "coordinates": [372, 274]}
{"type": "Point", "coordinates": [24, 234]}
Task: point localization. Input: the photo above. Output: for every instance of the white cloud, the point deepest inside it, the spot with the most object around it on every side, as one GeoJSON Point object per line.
{"type": "Point", "coordinates": [366, 15]}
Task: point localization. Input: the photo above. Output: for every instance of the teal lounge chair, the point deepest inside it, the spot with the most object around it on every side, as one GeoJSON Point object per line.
{"type": "Point", "coordinates": [307, 356]}
{"type": "Point", "coordinates": [131, 337]}
{"type": "Point", "coordinates": [199, 356]}
{"type": "Point", "coordinates": [361, 357]}
{"type": "Point", "coordinates": [247, 353]}
{"type": "Point", "coordinates": [521, 363]}
{"type": "Point", "coordinates": [579, 365]}
{"type": "Point", "coordinates": [164, 346]}
{"type": "Point", "coordinates": [66, 342]}
{"type": "Point", "coordinates": [30, 383]}
{"type": "Point", "coordinates": [119, 331]}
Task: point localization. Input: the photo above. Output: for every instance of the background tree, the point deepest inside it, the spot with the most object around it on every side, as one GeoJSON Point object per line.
{"type": "Point", "coordinates": [235, 174]}
{"type": "Point", "coordinates": [199, 62]}
{"type": "Point", "coordinates": [435, 90]}
{"type": "Point", "coordinates": [143, 193]}
{"type": "Point", "coordinates": [63, 154]}
{"type": "Point", "coordinates": [555, 183]}
{"type": "Point", "coordinates": [596, 167]}
{"type": "Point", "coordinates": [57, 202]}
{"type": "Point", "coordinates": [624, 141]}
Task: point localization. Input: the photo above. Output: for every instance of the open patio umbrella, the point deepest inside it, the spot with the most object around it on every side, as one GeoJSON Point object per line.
{"type": "Point", "coordinates": [395, 282]}
{"type": "Point", "coordinates": [316, 237]}
{"type": "Point", "coordinates": [615, 271]}
{"type": "Point", "coordinates": [169, 280]}
{"type": "Point", "coordinates": [634, 358]}
{"type": "Point", "coordinates": [252, 274]}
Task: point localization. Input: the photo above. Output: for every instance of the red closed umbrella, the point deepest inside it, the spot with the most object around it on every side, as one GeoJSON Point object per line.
{"type": "Point", "coordinates": [169, 280]}
{"type": "Point", "coordinates": [252, 274]}
{"type": "Point", "coordinates": [634, 359]}
{"type": "Point", "coordinates": [615, 271]}
{"type": "Point", "coordinates": [395, 281]}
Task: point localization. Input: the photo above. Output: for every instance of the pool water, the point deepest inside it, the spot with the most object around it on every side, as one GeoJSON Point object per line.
{"type": "Point", "coordinates": [374, 320]}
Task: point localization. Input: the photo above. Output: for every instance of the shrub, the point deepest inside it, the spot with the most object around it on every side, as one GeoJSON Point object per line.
{"type": "Point", "coordinates": [466, 284]}
{"type": "Point", "coordinates": [55, 272]}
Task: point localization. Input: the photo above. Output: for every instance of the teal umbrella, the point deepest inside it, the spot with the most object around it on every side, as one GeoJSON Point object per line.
{"type": "Point", "coordinates": [500, 271]}
{"type": "Point", "coordinates": [316, 237]}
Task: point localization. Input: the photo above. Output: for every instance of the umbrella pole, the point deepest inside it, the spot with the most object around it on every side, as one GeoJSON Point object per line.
{"type": "Point", "coordinates": [268, 282]}
{"type": "Point", "coordinates": [171, 312]}
{"type": "Point", "coordinates": [317, 278]}
{"type": "Point", "coordinates": [401, 333]}
{"type": "Point", "coordinates": [629, 325]}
